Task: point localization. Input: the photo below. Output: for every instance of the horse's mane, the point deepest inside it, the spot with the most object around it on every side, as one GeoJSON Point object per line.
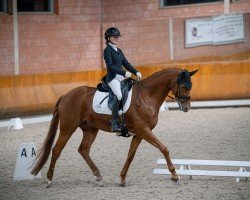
{"type": "Point", "coordinates": [156, 74]}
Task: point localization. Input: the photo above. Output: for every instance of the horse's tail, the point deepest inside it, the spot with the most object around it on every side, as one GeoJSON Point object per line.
{"type": "Point", "coordinates": [44, 152]}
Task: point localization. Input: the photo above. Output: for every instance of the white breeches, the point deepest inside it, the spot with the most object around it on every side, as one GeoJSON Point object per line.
{"type": "Point", "coordinates": [115, 86]}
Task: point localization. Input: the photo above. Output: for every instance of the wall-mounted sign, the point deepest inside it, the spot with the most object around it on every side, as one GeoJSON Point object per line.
{"type": "Point", "coordinates": [199, 32]}
{"type": "Point", "coordinates": [216, 30]}
{"type": "Point", "coordinates": [228, 29]}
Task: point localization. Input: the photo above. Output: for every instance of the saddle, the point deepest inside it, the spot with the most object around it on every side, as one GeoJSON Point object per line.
{"type": "Point", "coordinates": [126, 86]}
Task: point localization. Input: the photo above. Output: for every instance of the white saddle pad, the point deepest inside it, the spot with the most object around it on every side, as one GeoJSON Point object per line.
{"type": "Point", "coordinates": [103, 108]}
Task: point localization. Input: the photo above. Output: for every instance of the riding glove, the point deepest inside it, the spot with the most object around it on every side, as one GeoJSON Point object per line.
{"type": "Point", "coordinates": [128, 74]}
{"type": "Point", "coordinates": [139, 76]}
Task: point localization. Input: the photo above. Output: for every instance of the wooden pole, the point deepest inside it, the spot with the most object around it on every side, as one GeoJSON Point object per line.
{"type": "Point", "coordinates": [16, 48]}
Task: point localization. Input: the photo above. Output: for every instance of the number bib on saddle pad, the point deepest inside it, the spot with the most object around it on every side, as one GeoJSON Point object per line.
{"type": "Point", "coordinates": [101, 102]}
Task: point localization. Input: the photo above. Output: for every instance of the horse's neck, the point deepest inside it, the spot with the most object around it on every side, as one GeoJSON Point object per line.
{"type": "Point", "coordinates": [159, 84]}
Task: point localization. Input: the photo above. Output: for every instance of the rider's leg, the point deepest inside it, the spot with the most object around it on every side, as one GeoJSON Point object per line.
{"type": "Point", "coordinates": [115, 86]}
{"type": "Point", "coordinates": [114, 121]}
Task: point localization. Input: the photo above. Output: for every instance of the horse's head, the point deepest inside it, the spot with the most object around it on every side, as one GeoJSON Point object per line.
{"type": "Point", "coordinates": [181, 89]}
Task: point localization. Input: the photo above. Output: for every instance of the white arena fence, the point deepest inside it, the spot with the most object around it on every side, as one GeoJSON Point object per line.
{"type": "Point", "coordinates": [16, 123]}
{"type": "Point", "coordinates": [185, 168]}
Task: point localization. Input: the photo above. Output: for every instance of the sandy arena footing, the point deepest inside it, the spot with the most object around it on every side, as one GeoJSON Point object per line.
{"type": "Point", "coordinates": [216, 134]}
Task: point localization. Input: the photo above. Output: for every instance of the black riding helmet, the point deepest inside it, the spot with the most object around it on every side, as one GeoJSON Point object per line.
{"type": "Point", "coordinates": [113, 31]}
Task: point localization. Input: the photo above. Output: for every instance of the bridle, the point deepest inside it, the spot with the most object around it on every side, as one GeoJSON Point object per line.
{"type": "Point", "coordinates": [178, 96]}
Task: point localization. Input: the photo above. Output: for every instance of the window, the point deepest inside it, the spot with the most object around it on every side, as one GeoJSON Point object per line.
{"type": "Point", "coordinates": [31, 6]}
{"type": "Point", "coordinates": [185, 2]}
{"type": "Point", "coordinates": [2, 5]}
{"type": "Point", "coordinates": [35, 5]}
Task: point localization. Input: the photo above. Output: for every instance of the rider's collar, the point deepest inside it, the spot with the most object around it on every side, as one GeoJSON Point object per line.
{"type": "Point", "coordinates": [113, 45]}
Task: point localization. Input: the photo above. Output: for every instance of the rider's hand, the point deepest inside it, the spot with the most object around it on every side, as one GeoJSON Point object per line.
{"type": "Point", "coordinates": [139, 76]}
{"type": "Point", "coordinates": [128, 74]}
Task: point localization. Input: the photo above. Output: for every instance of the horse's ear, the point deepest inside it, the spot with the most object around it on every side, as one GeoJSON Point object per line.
{"type": "Point", "coordinates": [193, 72]}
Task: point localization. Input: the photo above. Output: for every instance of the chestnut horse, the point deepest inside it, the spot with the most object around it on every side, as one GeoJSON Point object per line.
{"type": "Point", "coordinates": [74, 109]}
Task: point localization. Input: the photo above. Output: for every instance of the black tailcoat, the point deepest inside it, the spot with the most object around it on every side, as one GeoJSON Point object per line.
{"type": "Point", "coordinates": [114, 61]}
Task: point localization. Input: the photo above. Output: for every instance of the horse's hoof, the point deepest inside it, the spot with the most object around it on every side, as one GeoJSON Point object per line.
{"type": "Point", "coordinates": [100, 183]}
{"type": "Point", "coordinates": [122, 184]}
{"type": "Point", "coordinates": [176, 180]}
{"type": "Point", "coordinates": [49, 184]}
{"type": "Point", "coordinates": [98, 179]}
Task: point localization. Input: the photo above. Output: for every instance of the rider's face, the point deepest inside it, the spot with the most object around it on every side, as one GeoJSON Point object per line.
{"type": "Point", "coordinates": [114, 40]}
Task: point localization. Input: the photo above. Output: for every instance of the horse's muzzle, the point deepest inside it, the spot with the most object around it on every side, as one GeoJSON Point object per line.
{"type": "Point", "coordinates": [186, 109]}
{"type": "Point", "coordinates": [182, 107]}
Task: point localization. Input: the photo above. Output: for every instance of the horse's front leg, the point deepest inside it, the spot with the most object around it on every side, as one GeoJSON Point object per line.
{"type": "Point", "coordinates": [152, 139]}
{"type": "Point", "coordinates": [136, 140]}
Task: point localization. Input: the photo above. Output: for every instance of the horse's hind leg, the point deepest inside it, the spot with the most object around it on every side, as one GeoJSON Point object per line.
{"type": "Point", "coordinates": [89, 135]}
{"type": "Point", "coordinates": [56, 151]}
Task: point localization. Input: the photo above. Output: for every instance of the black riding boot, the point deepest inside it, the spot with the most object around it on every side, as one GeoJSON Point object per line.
{"type": "Point", "coordinates": [114, 121]}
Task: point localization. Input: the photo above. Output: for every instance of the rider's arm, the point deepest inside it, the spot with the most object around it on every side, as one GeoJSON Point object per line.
{"type": "Point", "coordinates": [127, 65]}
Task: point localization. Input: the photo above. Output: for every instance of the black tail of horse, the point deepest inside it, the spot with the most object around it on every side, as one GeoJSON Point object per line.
{"type": "Point", "coordinates": [44, 152]}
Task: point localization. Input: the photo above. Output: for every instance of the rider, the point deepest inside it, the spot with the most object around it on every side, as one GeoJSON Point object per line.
{"type": "Point", "coordinates": [115, 59]}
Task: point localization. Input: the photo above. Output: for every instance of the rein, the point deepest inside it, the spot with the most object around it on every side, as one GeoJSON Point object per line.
{"type": "Point", "coordinates": [176, 97]}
